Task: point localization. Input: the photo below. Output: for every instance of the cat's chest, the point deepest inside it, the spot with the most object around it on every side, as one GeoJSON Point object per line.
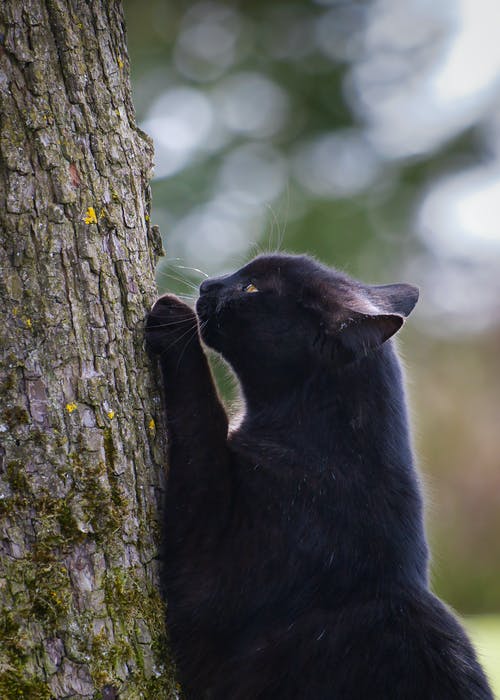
{"type": "Point", "coordinates": [284, 497]}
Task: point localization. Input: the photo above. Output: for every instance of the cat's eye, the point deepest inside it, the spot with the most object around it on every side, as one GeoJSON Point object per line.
{"type": "Point", "coordinates": [250, 288]}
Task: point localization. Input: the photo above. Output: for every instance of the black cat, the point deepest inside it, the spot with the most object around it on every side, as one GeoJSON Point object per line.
{"type": "Point", "coordinates": [295, 555]}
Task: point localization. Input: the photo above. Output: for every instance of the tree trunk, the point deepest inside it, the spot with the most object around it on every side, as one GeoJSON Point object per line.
{"type": "Point", "coordinates": [81, 457]}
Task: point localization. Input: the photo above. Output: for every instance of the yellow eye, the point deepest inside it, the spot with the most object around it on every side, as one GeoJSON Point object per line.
{"type": "Point", "coordinates": [250, 288]}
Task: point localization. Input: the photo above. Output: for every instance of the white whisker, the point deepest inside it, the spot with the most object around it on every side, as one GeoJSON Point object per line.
{"type": "Point", "coordinates": [181, 280]}
{"type": "Point", "coordinates": [194, 269]}
{"type": "Point", "coordinates": [173, 323]}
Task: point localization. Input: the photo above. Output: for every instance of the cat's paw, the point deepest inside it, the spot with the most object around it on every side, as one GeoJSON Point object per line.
{"type": "Point", "coordinates": [170, 325]}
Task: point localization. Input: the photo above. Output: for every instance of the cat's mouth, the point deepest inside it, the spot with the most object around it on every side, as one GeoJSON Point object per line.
{"type": "Point", "coordinates": [207, 308]}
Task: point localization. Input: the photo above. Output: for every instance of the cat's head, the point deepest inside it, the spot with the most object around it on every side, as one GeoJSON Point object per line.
{"type": "Point", "coordinates": [282, 313]}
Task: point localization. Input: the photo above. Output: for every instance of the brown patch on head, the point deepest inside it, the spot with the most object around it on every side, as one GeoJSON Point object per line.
{"type": "Point", "coordinates": [357, 301]}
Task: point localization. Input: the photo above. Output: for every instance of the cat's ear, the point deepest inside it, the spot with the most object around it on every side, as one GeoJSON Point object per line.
{"type": "Point", "coordinates": [368, 326]}
{"type": "Point", "coordinates": [393, 298]}
{"type": "Point", "coordinates": [359, 318]}
{"type": "Point", "coordinates": [360, 333]}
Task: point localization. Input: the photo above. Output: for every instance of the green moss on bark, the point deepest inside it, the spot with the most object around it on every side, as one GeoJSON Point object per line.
{"type": "Point", "coordinates": [14, 685]}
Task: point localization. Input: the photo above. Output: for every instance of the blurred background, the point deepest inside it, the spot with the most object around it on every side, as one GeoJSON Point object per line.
{"type": "Point", "coordinates": [368, 134]}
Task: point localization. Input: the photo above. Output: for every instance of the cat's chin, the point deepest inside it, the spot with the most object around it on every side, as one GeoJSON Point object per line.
{"type": "Point", "coordinates": [206, 310]}
{"type": "Point", "coordinates": [209, 338]}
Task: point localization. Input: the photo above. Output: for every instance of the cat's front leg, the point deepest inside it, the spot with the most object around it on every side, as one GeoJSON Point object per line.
{"type": "Point", "coordinates": [196, 420]}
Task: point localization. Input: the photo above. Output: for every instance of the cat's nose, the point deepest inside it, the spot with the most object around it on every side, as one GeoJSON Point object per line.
{"type": "Point", "coordinates": [212, 285]}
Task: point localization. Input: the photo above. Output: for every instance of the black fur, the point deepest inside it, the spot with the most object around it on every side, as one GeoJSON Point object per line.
{"type": "Point", "coordinates": [295, 554]}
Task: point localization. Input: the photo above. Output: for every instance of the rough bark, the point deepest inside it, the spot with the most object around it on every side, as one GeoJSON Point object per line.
{"type": "Point", "coordinates": [80, 454]}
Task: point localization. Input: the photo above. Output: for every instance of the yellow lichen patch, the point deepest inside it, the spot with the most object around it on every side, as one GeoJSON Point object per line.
{"type": "Point", "coordinates": [27, 322]}
{"type": "Point", "coordinates": [15, 311]}
{"type": "Point", "coordinates": [111, 415]}
{"type": "Point", "coordinates": [147, 217]}
{"type": "Point", "coordinates": [55, 597]}
{"type": "Point", "coordinates": [120, 63]}
{"type": "Point", "coordinates": [90, 216]}
{"type": "Point", "coordinates": [152, 425]}
{"type": "Point", "coordinates": [70, 407]}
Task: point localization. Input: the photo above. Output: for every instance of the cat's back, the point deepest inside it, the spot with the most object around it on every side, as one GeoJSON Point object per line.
{"type": "Point", "coordinates": [307, 641]}
{"type": "Point", "coordinates": [399, 647]}
{"type": "Point", "coordinates": [405, 645]}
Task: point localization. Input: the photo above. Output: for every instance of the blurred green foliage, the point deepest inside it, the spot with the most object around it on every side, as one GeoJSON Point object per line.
{"type": "Point", "coordinates": [485, 632]}
{"type": "Point", "coordinates": [305, 176]}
